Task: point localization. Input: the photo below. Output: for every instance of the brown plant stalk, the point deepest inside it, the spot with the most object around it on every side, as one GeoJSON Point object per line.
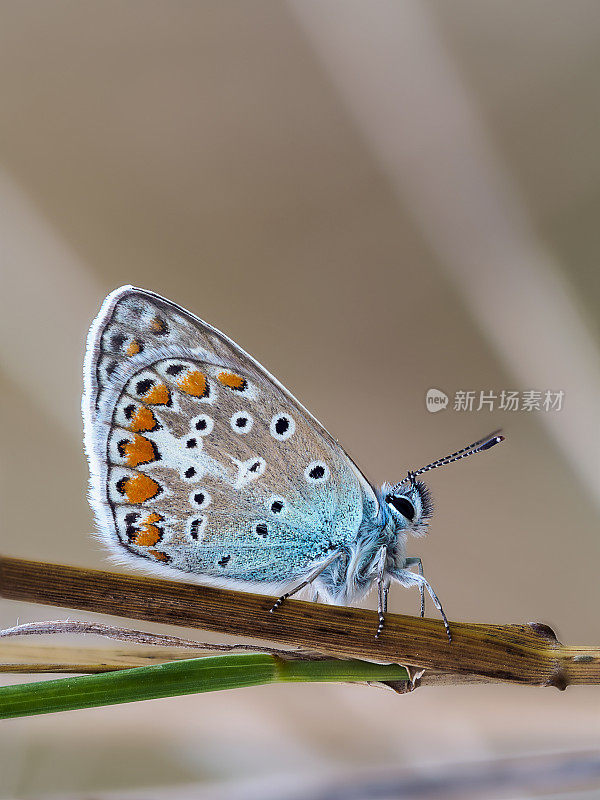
{"type": "Point", "coordinates": [519, 653]}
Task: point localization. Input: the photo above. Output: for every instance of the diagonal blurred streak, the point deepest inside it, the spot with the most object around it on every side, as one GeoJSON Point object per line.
{"type": "Point", "coordinates": [410, 103]}
{"type": "Point", "coordinates": [45, 301]}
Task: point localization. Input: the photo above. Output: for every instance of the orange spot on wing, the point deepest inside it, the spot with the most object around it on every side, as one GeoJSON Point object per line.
{"type": "Point", "coordinates": [144, 420]}
{"type": "Point", "coordinates": [159, 555]}
{"type": "Point", "coordinates": [194, 383]}
{"type": "Point", "coordinates": [158, 325]}
{"type": "Point", "coordinates": [158, 396]}
{"type": "Point", "coordinates": [149, 534]}
{"type": "Point", "coordinates": [139, 488]}
{"type": "Point", "coordinates": [134, 348]}
{"type": "Point", "coordinates": [231, 380]}
{"type": "Point", "coordinates": [140, 451]}
{"type": "Point", "coordinates": [147, 538]}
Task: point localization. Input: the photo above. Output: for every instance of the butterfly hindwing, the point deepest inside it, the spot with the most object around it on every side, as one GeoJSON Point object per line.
{"type": "Point", "coordinates": [200, 460]}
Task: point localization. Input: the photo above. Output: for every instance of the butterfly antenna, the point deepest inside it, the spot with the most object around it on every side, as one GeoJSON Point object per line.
{"type": "Point", "coordinates": [476, 447]}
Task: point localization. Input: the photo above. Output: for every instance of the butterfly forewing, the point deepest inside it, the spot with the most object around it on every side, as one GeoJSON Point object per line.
{"type": "Point", "coordinates": [201, 461]}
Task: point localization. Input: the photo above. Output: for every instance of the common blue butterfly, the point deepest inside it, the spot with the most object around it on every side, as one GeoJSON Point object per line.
{"type": "Point", "coordinates": [202, 463]}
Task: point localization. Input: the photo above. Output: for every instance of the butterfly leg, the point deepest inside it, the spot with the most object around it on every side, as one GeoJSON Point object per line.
{"type": "Point", "coordinates": [382, 590]}
{"type": "Point", "coordinates": [314, 574]}
{"type": "Point", "coordinates": [386, 590]}
{"type": "Point", "coordinates": [412, 561]}
{"type": "Point", "coordinates": [407, 578]}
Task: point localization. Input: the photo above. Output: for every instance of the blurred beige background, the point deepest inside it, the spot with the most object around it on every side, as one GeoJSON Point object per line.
{"type": "Point", "coordinates": [373, 199]}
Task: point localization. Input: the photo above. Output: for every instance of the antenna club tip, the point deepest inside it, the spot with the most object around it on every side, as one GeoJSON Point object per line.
{"type": "Point", "coordinates": [491, 442]}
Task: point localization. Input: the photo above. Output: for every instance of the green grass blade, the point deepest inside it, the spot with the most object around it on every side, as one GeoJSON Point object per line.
{"type": "Point", "coordinates": [174, 678]}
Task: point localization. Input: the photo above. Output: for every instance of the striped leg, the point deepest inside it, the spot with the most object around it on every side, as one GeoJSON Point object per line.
{"type": "Point", "coordinates": [382, 591]}
{"type": "Point", "coordinates": [412, 561]}
{"type": "Point", "coordinates": [407, 578]}
{"type": "Point", "coordinates": [314, 574]}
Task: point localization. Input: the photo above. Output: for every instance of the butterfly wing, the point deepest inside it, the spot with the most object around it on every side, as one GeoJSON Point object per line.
{"type": "Point", "coordinates": [200, 460]}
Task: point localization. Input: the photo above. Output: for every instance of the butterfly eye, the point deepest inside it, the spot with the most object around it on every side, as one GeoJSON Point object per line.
{"type": "Point", "coordinates": [403, 505]}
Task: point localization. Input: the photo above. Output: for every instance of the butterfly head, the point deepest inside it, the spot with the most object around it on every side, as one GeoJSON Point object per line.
{"type": "Point", "coordinates": [409, 504]}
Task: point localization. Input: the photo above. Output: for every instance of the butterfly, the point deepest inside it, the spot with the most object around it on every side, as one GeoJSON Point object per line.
{"type": "Point", "coordinates": [202, 463]}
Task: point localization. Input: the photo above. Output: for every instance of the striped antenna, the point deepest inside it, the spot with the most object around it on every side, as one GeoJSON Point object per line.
{"type": "Point", "coordinates": [477, 447]}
